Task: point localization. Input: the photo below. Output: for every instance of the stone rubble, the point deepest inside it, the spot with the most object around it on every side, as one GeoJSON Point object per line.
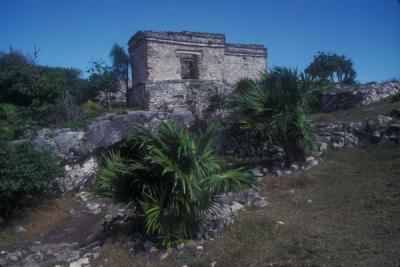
{"type": "Point", "coordinates": [80, 263]}
{"type": "Point", "coordinates": [380, 130]}
{"type": "Point", "coordinates": [19, 229]}
{"type": "Point", "coordinates": [349, 96]}
{"type": "Point", "coordinates": [261, 203]}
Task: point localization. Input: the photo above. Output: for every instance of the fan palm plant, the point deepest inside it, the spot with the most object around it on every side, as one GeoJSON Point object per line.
{"type": "Point", "coordinates": [274, 109]}
{"type": "Point", "coordinates": [171, 178]}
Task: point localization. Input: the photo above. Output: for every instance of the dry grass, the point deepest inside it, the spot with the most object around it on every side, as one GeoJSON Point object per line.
{"type": "Point", "coordinates": [357, 113]}
{"type": "Point", "coordinates": [38, 219]}
{"type": "Point", "coordinates": [346, 212]}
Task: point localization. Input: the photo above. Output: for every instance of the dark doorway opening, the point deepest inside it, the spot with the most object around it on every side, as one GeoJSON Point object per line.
{"type": "Point", "coordinates": [189, 67]}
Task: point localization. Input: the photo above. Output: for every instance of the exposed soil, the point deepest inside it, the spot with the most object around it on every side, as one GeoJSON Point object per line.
{"type": "Point", "coordinates": [55, 224]}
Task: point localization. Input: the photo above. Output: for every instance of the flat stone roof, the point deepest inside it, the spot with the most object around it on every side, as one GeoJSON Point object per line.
{"type": "Point", "coordinates": [245, 49]}
{"type": "Point", "coordinates": [197, 38]}
{"type": "Point", "coordinates": [184, 36]}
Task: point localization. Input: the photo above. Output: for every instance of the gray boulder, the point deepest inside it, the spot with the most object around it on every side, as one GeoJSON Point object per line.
{"type": "Point", "coordinates": [103, 132]}
{"type": "Point", "coordinates": [76, 149]}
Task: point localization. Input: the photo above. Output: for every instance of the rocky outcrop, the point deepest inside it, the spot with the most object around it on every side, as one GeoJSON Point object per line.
{"type": "Point", "coordinates": [72, 146]}
{"type": "Point", "coordinates": [345, 97]}
{"type": "Point", "coordinates": [77, 149]}
{"type": "Point", "coordinates": [380, 130]}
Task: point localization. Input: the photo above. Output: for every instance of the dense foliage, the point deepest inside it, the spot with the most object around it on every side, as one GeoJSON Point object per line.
{"type": "Point", "coordinates": [24, 172]}
{"type": "Point", "coordinates": [13, 123]}
{"type": "Point", "coordinates": [91, 108]}
{"type": "Point", "coordinates": [332, 67]}
{"type": "Point", "coordinates": [37, 89]}
{"type": "Point", "coordinates": [120, 64]}
{"type": "Point", "coordinates": [34, 95]}
{"type": "Point", "coordinates": [103, 80]}
{"type": "Point", "coordinates": [274, 109]}
{"type": "Point", "coordinates": [171, 178]}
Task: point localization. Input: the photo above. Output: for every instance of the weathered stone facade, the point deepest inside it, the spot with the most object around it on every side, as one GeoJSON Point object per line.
{"type": "Point", "coordinates": [175, 69]}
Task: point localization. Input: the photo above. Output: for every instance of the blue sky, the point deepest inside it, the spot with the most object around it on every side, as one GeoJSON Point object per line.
{"type": "Point", "coordinates": [70, 33]}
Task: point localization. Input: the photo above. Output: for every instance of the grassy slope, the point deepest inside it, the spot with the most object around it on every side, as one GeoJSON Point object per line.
{"type": "Point", "coordinates": [345, 212]}
{"type": "Point", "coordinates": [358, 113]}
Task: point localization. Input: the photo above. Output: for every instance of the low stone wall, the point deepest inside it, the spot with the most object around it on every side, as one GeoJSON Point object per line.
{"type": "Point", "coordinates": [78, 149]}
{"type": "Point", "coordinates": [167, 95]}
{"type": "Point", "coordinates": [345, 97]}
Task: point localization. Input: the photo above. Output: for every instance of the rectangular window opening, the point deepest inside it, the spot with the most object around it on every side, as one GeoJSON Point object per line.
{"type": "Point", "coordinates": [189, 67]}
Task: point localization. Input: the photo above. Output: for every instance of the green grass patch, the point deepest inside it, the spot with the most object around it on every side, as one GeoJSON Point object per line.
{"type": "Point", "coordinates": [356, 114]}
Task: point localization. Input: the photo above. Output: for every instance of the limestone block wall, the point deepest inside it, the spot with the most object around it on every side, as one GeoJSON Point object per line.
{"type": "Point", "coordinates": [163, 61]}
{"type": "Point", "coordinates": [138, 59]}
{"type": "Point", "coordinates": [167, 95]}
{"type": "Point", "coordinates": [243, 61]}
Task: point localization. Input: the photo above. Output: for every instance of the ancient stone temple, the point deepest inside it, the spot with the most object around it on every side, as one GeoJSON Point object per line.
{"type": "Point", "coordinates": [174, 69]}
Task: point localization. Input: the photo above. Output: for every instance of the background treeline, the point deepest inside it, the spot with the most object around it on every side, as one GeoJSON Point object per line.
{"type": "Point", "coordinates": [34, 96]}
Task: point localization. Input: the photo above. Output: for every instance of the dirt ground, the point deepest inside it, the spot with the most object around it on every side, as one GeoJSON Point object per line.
{"type": "Point", "coordinates": [345, 212]}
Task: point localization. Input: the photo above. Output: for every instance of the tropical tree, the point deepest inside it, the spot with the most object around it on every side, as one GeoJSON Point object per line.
{"type": "Point", "coordinates": [120, 63]}
{"type": "Point", "coordinates": [332, 67]}
{"type": "Point", "coordinates": [102, 79]}
{"type": "Point", "coordinates": [274, 109]}
{"type": "Point", "coordinates": [171, 178]}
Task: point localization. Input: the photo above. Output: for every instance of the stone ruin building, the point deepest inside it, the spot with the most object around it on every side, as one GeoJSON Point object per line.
{"type": "Point", "coordinates": [182, 69]}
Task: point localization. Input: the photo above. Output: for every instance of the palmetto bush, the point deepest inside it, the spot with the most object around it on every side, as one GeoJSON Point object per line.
{"type": "Point", "coordinates": [274, 107]}
{"type": "Point", "coordinates": [171, 177]}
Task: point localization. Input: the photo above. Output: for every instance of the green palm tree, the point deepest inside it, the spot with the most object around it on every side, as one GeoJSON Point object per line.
{"type": "Point", "coordinates": [274, 109]}
{"type": "Point", "coordinates": [171, 178]}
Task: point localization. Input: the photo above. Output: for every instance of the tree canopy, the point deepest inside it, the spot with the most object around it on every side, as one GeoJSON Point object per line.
{"type": "Point", "coordinates": [332, 67]}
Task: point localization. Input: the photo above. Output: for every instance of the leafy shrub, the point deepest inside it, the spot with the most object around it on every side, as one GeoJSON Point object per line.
{"type": "Point", "coordinates": [243, 84]}
{"type": "Point", "coordinates": [216, 101]}
{"type": "Point", "coordinates": [395, 98]}
{"type": "Point", "coordinates": [371, 83]}
{"type": "Point", "coordinates": [91, 108]}
{"type": "Point", "coordinates": [24, 172]}
{"type": "Point", "coordinates": [171, 178]}
{"type": "Point", "coordinates": [37, 89]}
{"type": "Point", "coordinates": [274, 109]}
{"type": "Point", "coordinates": [103, 79]}
{"type": "Point", "coordinates": [13, 124]}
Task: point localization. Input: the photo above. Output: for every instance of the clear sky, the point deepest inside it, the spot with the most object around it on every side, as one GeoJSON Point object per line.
{"type": "Point", "coordinates": [70, 33]}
